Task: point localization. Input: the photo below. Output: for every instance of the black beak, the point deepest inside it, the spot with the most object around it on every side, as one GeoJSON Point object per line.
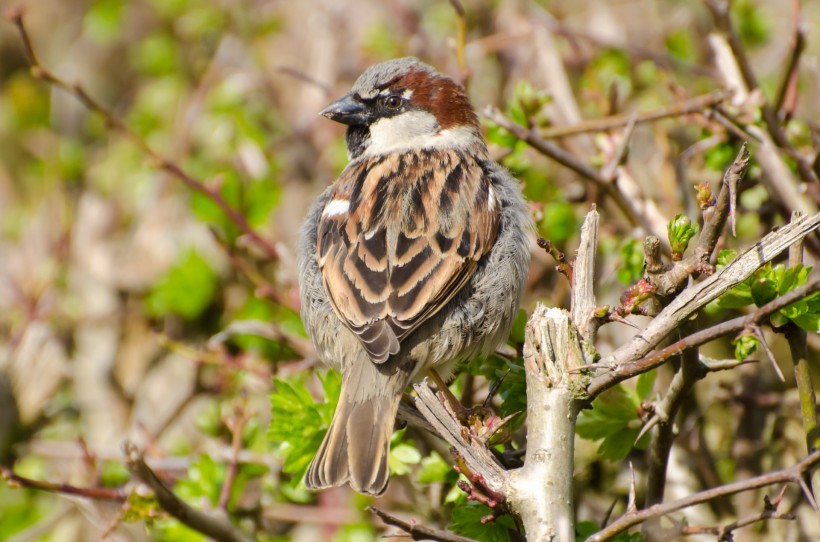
{"type": "Point", "coordinates": [348, 110]}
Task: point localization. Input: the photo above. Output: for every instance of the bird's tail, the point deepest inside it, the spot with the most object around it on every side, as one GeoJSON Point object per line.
{"type": "Point", "coordinates": [356, 447]}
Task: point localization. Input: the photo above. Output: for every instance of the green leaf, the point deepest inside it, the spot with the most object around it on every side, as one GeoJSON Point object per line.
{"type": "Point", "coordinates": [265, 311]}
{"type": "Point", "coordinates": [157, 55]}
{"type": "Point", "coordinates": [203, 481]}
{"type": "Point", "coordinates": [103, 21]}
{"type": "Point", "coordinates": [745, 346]}
{"type": "Point", "coordinates": [630, 268]}
{"type": "Point", "coordinates": [187, 289]}
{"type": "Point", "coordinates": [738, 297]}
{"type": "Point", "coordinates": [614, 420]}
{"type": "Point", "coordinates": [114, 474]}
{"type": "Point", "coordinates": [518, 328]}
{"type": "Point", "coordinates": [559, 222]}
{"type": "Point", "coordinates": [500, 136]}
{"type": "Point", "coordinates": [680, 231]}
{"type": "Point", "coordinates": [466, 521]}
{"type": "Point", "coordinates": [402, 456]}
{"type": "Point", "coordinates": [720, 156]}
{"type": "Point", "coordinates": [645, 383]}
{"type": "Point", "coordinates": [680, 45]}
{"type": "Point", "coordinates": [753, 25]}
{"type": "Point", "coordinates": [209, 212]}
{"type": "Point", "coordinates": [725, 256]}
{"type": "Point", "coordinates": [435, 469]}
{"type": "Point", "coordinates": [298, 423]}
{"type": "Point", "coordinates": [22, 509]}
{"type": "Point", "coordinates": [585, 529]}
{"type": "Point", "coordinates": [763, 289]}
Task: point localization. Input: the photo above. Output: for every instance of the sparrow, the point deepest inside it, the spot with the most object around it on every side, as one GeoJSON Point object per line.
{"type": "Point", "coordinates": [414, 259]}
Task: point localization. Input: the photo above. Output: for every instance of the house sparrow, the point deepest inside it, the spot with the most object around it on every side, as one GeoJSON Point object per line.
{"type": "Point", "coordinates": [414, 259]}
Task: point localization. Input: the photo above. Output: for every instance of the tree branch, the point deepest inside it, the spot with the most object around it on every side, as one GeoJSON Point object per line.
{"type": "Point", "coordinates": [566, 159]}
{"type": "Point", "coordinates": [792, 474]}
{"type": "Point", "coordinates": [623, 360]}
{"type": "Point", "coordinates": [96, 493]}
{"type": "Point", "coordinates": [698, 104]}
{"type": "Point", "coordinates": [629, 369]}
{"type": "Point", "coordinates": [214, 525]}
{"type": "Point", "coordinates": [541, 491]}
{"type": "Point", "coordinates": [416, 531]}
{"type": "Point", "coordinates": [474, 452]}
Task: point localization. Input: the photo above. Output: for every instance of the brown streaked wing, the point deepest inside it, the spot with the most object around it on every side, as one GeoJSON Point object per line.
{"type": "Point", "coordinates": [413, 234]}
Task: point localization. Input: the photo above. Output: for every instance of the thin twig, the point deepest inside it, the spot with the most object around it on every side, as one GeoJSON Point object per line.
{"type": "Point", "coordinates": [723, 531]}
{"type": "Point", "coordinates": [97, 493]}
{"type": "Point", "coordinates": [649, 362]}
{"type": "Point", "coordinates": [698, 104]}
{"type": "Point", "coordinates": [551, 150]}
{"type": "Point", "coordinates": [236, 424]}
{"type": "Point", "coordinates": [418, 532]}
{"type": "Point", "coordinates": [723, 20]}
{"type": "Point", "coordinates": [792, 474]}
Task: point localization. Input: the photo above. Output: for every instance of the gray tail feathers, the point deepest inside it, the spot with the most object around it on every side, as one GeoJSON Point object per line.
{"type": "Point", "coordinates": [356, 447]}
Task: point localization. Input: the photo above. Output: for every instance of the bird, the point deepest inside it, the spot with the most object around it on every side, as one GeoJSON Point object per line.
{"type": "Point", "coordinates": [413, 260]}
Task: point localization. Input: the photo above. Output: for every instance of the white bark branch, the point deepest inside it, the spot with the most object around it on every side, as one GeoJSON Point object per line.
{"type": "Point", "coordinates": [541, 491]}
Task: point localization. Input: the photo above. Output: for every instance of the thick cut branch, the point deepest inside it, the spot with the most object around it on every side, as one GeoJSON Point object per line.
{"type": "Point", "coordinates": [541, 491]}
{"type": "Point", "coordinates": [474, 452]}
{"type": "Point", "coordinates": [583, 279]}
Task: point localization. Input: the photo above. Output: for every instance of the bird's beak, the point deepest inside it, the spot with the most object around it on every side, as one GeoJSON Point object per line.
{"type": "Point", "coordinates": [348, 110]}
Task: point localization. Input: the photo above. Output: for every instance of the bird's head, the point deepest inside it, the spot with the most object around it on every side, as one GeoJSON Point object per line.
{"type": "Point", "coordinates": [402, 105]}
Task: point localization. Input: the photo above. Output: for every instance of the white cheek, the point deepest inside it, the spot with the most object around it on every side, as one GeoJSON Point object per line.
{"type": "Point", "coordinates": [416, 130]}
{"type": "Point", "coordinates": [336, 207]}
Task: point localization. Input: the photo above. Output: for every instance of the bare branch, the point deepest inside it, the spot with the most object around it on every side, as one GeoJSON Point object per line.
{"type": "Point", "coordinates": [699, 104]}
{"type": "Point", "coordinates": [96, 493]}
{"type": "Point", "coordinates": [634, 368]}
{"type": "Point", "coordinates": [792, 474]}
{"type": "Point", "coordinates": [418, 532]}
{"type": "Point", "coordinates": [568, 160]}
{"type": "Point", "coordinates": [475, 453]}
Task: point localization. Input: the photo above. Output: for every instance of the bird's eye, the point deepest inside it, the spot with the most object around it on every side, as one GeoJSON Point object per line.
{"type": "Point", "coordinates": [393, 102]}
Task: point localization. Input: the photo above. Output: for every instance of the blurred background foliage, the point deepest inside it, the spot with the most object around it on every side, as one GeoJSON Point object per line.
{"type": "Point", "coordinates": [132, 307]}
